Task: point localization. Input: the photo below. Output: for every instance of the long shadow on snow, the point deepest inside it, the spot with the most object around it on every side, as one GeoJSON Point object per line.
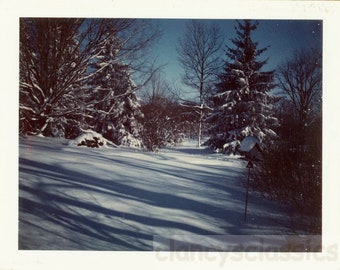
{"type": "Point", "coordinates": [215, 182]}
{"type": "Point", "coordinates": [226, 180]}
{"type": "Point", "coordinates": [51, 211]}
{"type": "Point", "coordinates": [230, 180]}
{"type": "Point", "coordinates": [164, 200]}
{"type": "Point", "coordinates": [51, 203]}
{"type": "Point", "coordinates": [227, 188]}
{"type": "Point", "coordinates": [77, 180]}
{"type": "Point", "coordinates": [198, 174]}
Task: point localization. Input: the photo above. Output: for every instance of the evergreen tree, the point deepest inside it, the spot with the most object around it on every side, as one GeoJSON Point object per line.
{"type": "Point", "coordinates": [243, 105]}
{"type": "Point", "coordinates": [116, 110]}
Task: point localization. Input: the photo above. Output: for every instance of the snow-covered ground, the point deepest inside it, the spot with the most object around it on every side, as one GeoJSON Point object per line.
{"type": "Point", "coordinates": [77, 198]}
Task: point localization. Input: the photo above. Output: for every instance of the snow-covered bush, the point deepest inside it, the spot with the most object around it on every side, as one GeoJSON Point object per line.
{"type": "Point", "coordinates": [223, 143]}
{"type": "Point", "coordinates": [56, 128]}
{"type": "Point", "coordinates": [89, 138]}
{"type": "Point", "coordinates": [125, 138]}
{"type": "Point", "coordinates": [231, 147]}
{"type": "Point", "coordinates": [216, 142]}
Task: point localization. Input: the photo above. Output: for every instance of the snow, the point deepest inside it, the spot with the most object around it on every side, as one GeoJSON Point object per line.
{"type": "Point", "coordinates": [79, 198]}
{"type": "Point", "coordinates": [248, 143]}
{"type": "Point", "coordinates": [90, 135]}
{"type": "Point", "coordinates": [87, 135]}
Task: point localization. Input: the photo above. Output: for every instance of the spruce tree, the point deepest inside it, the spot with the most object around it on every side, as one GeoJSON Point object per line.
{"type": "Point", "coordinates": [116, 110]}
{"type": "Point", "coordinates": [243, 105]}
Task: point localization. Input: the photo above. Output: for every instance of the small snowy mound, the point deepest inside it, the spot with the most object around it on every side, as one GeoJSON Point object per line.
{"type": "Point", "coordinates": [89, 138]}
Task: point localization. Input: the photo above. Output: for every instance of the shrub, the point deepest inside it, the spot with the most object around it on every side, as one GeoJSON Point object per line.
{"type": "Point", "coordinates": [90, 139]}
{"type": "Point", "coordinates": [292, 176]}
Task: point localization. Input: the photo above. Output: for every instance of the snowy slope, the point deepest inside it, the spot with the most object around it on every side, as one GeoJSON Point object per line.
{"type": "Point", "coordinates": [76, 198]}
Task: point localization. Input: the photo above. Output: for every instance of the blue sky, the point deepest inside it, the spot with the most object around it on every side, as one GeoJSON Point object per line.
{"type": "Point", "coordinates": [283, 37]}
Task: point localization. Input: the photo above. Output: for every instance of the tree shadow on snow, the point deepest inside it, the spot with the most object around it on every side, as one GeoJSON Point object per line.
{"type": "Point", "coordinates": [87, 224]}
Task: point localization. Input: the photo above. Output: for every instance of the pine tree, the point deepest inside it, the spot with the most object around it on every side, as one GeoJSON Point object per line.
{"type": "Point", "coordinates": [243, 105]}
{"type": "Point", "coordinates": [116, 110]}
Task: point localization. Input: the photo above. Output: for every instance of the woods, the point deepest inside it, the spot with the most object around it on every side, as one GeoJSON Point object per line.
{"type": "Point", "coordinates": [75, 74]}
{"type": "Point", "coordinates": [292, 168]}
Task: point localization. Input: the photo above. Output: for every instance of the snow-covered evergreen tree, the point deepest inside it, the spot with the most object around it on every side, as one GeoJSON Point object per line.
{"type": "Point", "coordinates": [243, 105]}
{"type": "Point", "coordinates": [116, 110]}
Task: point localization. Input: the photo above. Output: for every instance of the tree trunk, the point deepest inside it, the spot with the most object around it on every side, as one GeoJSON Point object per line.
{"type": "Point", "coordinates": [200, 121]}
{"type": "Point", "coordinates": [200, 127]}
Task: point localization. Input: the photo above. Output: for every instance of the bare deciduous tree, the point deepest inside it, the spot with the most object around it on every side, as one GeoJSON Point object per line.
{"type": "Point", "coordinates": [300, 78]}
{"type": "Point", "coordinates": [199, 55]}
{"type": "Point", "coordinates": [157, 86]}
